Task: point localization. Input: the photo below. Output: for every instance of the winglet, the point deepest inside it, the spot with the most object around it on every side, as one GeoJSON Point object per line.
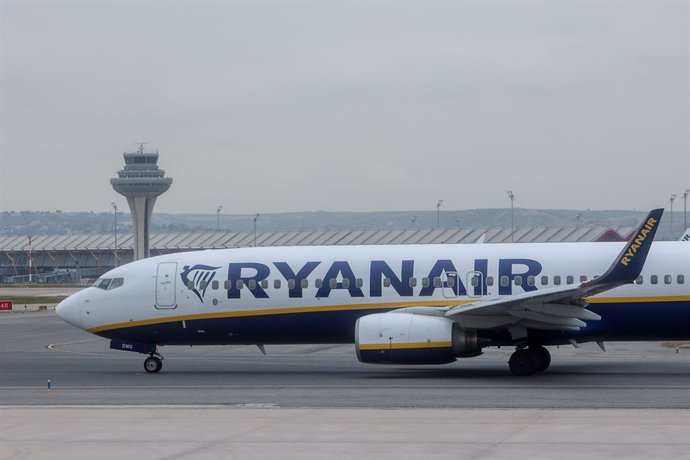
{"type": "Point", "coordinates": [628, 265]}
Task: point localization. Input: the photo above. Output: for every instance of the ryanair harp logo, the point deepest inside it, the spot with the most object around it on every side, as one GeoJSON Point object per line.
{"type": "Point", "coordinates": [198, 278]}
{"type": "Point", "coordinates": [637, 241]}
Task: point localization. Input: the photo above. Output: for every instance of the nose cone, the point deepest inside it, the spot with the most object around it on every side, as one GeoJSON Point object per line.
{"type": "Point", "coordinates": [69, 310]}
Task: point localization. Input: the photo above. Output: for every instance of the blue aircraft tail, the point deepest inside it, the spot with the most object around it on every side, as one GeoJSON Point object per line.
{"type": "Point", "coordinates": [628, 265]}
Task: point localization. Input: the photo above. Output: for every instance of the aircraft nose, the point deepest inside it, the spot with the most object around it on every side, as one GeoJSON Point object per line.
{"type": "Point", "coordinates": [69, 310]}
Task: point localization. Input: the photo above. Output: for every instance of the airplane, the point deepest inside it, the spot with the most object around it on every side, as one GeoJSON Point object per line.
{"type": "Point", "coordinates": [398, 304]}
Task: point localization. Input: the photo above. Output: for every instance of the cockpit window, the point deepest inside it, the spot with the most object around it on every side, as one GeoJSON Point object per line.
{"type": "Point", "coordinates": [108, 284]}
{"type": "Point", "coordinates": [116, 283]}
{"type": "Point", "coordinates": [103, 283]}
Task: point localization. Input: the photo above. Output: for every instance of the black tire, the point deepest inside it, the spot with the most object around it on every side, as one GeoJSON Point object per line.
{"type": "Point", "coordinates": [537, 357]}
{"type": "Point", "coordinates": [153, 365]}
{"type": "Point", "coordinates": [521, 363]}
{"type": "Point", "coordinates": [546, 359]}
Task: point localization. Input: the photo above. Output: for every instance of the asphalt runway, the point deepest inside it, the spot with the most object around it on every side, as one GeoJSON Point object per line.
{"type": "Point", "coordinates": [35, 347]}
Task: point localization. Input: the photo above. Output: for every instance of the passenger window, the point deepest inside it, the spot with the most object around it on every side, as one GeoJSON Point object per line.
{"type": "Point", "coordinates": [251, 284]}
{"type": "Point", "coordinates": [291, 284]}
{"type": "Point", "coordinates": [190, 284]}
{"type": "Point", "coordinates": [226, 284]}
{"type": "Point", "coordinates": [667, 279]}
{"type": "Point", "coordinates": [276, 284]}
{"type": "Point", "coordinates": [557, 280]}
{"type": "Point", "coordinates": [318, 283]}
{"type": "Point", "coordinates": [203, 284]}
{"type": "Point", "coordinates": [518, 280]}
{"type": "Point", "coordinates": [333, 283]}
{"type": "Point", "coordinates": [654, 279]}
{"type": "Point", "coordinates": [346, 283]}
{"type": "Point", "coordinates": [569, 279]}
{"type": "Point", "coordinates": [437, 282]}
{"type": "Point", "coordinates": [359, 282]}
{"type": "Point", "coordinates": [215, 284]}
{"type": "Point", "coordinates": [116, 283]}
{"type": "Point", "coordinates": [544, 280]}
{"type": "Point", "coordinates": [386, 282]}
{"type": "Point", "coordinates": [239, 284]}
{"type": "Point", "coordinates": [474, 281]}
{"type": "Point", "coordinates": [681, 279]}
{"type": "Point", "coordinates": [489, 280]}
{"type": "Point", "coordinates": [530, 280]}
{"type": "Point", "coordinates": [583, 278]}
{"type": "Point", "coordinates": [413, 282]}
{"type": "Point", "coordinates": [450, 281]}
{"type": "Point", "coordinates": [639, 280]}
{"type": "Point", "coordinates": [264, 284]}
{"type": "Point", "coordinates": [504, 281]}
{"type": "Point", "coordinates": [304, 283]}
{"type": "Point", "coordinates": [425, 282]}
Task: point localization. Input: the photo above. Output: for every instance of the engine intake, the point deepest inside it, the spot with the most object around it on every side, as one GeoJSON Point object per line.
{"type": "Point", "coordinates": [406, 338]}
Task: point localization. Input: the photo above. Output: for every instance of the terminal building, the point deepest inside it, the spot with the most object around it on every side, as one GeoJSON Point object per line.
{"type": "Point", "coordinates": [73, 258]}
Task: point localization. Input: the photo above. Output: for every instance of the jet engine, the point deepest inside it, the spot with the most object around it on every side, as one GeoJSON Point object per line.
{"type": "Point", "coordinates": [406, 338]}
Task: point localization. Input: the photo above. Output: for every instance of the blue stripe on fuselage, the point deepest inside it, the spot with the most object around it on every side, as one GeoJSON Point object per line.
{"type": "Point", "coordinates": [620, 321]}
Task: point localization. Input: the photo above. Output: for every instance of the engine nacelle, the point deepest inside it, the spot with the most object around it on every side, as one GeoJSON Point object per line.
{"type": "Point", "coordinates": [406, 338]}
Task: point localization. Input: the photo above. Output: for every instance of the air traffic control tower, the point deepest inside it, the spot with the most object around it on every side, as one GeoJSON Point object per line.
{"type": "Point", "coordinates": [141, 182]}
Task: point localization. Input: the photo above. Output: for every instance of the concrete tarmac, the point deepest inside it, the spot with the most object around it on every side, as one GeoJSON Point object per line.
{"type": "Point", "coordinates": [36, 347]}
{"type": "Point", "coordinates": [220, 432]}
{"type": "Point", "coordinates": [319, 402]}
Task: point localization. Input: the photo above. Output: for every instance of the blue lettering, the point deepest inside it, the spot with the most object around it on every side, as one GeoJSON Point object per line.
{"type": "Point", "coordinates": [379, 269]}
{"type": "Point", "coordinates": [505, 268]}
{"type": "Point", "coordinates": [235, 274]}
{"type": "Point", "coordinates": [339, 268]}
{"type": "Point", "coordinates": [437, 270]}
{"type": "Point", "coordinates": [289, 274]}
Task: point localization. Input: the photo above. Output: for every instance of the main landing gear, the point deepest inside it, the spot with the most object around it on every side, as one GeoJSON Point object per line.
{"type": "Point", "coordinates": [527, 361]}
{"type": "Point", "coordinates": [154, 363]}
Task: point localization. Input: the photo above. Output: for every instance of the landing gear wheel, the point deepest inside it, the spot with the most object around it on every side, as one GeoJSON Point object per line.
{"type": "Point", "coordinates": [537, 356]}
{"type": "Point", "coordinates": [546, 358]}
{"type": "Point", "coordinates": [153, 364]}
{"type": "Point", "coordinates": [522, 363]}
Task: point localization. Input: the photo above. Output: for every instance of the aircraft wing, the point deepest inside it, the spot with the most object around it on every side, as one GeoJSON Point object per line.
{"type": "Point", "coordinates": [559, 308]}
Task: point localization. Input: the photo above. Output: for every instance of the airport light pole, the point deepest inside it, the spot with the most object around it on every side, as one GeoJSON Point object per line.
{"type": "Point", "coordinates": [685, 209]}
{"type": "Point", "coordinates": [511, 195]}
{"type": "Point", "coordinates": [220, 208]}
{"type": "Point", "coordinates": [115, 229]}
{"type": "Point", "coordinates": [31, 259]}
{"type": "Point", "coordinates": [438, 213]}
{"type": "Point", "coordinates": [671, 199]}
{"type": "Point", "coordinates": [256, 217]}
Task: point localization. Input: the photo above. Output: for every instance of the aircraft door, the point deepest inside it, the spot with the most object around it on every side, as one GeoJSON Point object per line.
{"type": "Point", "coordinates": [166, 276]}
{"type": "Point", "coordinates": [450, 284]}
{"type": "Point", "coordinates": [475, 283]}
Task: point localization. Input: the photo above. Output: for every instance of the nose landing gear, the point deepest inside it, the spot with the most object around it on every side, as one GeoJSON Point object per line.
{"type": "Point", "coordinates": [154, 363]}
{"type": "Point", "coordinates": [527, 361]}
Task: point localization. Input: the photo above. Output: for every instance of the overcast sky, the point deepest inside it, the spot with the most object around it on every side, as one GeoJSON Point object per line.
{"type": "Point", "coordinates": [347, 105]}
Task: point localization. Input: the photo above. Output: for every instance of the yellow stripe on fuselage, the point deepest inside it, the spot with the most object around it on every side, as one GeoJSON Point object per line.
{"type": "Point", "coordinates": [406, 346]}
{"type": "Point", "coordinates": [352, 307]}
{"type": "Point", "coordinates": [278, 311]}
{"type": "Point", "coordinates": [637, 299]}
